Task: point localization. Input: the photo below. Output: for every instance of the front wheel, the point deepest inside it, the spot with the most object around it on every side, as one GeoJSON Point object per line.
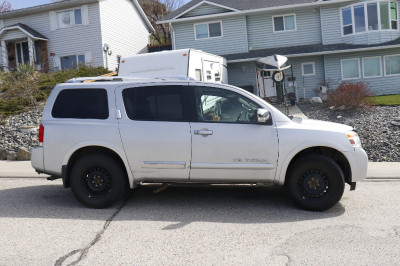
{"type": "Point", "coordinates": [98, 181]}
{"type": "Point", "coordinates": [315, 182]}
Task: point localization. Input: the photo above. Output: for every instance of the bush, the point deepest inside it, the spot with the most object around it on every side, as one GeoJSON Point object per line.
{"type": "Point", "coordinates": [350, 95]}
{"type": "Point", "coordinates": [49, 81]}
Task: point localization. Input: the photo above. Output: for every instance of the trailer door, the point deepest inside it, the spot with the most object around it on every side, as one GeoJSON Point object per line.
{"type": "Point", "coordinates": [212, 71]}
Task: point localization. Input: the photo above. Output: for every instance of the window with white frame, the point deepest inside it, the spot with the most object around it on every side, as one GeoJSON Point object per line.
{"type": "Point", "coordinates": [369, 16]}
{"type": "Point", "coordinates": [72, 61]}
{"type": "Point", "coordinates": [69, 18]}
{"type": "Point", "coordinates": [350, 68]}
{"type": "Point", "coordinates": [372, 67]}
{"type": "Point", "coordinates": [308, 69]}
{"type": "Point", "coordinates": [208, 30]}
{"type": "Point", "coordinates": [392, 65]}
{"type": "Point", "coordinates": [284, 23]}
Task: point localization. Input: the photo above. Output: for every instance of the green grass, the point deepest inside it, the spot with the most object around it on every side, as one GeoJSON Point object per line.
{"type": "Point", "coordinates": [386, 100]}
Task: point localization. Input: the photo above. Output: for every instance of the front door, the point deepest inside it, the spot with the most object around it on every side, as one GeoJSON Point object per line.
{"type": "Point", "coordinates": [227, 142]}
{"type": "Point", "coordinates": [155, 131]}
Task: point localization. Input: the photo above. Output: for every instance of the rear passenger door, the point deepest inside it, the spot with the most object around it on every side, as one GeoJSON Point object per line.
{"type": "Point", "coordinates": [155, 131]}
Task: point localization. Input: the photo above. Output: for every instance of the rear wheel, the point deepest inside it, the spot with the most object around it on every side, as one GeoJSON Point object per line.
{"type": "Point", "coordinates": [315, 182]}
{"type": "Point", "coordinates": [98, 181]}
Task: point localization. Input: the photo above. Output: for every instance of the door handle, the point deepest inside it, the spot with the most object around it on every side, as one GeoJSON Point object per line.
{"type": "Point", "coordinates": [204, 132]}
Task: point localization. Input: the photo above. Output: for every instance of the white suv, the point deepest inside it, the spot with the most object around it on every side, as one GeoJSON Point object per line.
{"type": "Point", "coordinates": [106, 136]}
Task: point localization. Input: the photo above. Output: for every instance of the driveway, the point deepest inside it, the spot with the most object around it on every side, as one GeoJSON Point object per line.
{"type": "Point", "coordinates": [42, 224]}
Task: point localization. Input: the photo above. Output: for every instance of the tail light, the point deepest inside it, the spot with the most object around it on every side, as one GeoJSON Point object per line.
{"type": "Point", "coordinates": [41, 133]}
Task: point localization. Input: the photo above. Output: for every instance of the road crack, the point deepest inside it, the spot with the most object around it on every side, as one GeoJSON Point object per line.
{"type": "Point", "coordinates": [84, 251]}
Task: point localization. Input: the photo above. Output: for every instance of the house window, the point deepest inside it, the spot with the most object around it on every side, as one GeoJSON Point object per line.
{"type": "Point", "coordinates": [284, 23]}
{"type": "Point", "coordinates": [350, 68]}
{"type": "Point", "coordinates": [69, 18]}
{"type": "Point", "coordinates": [359, 18]}
{"type": "Point", "coordinates": [392, 65]}
{"type": "Point", "coordinates": [369, 16]}
{"type": "Point", "coordinates": [308, 69]}
{"type": "Point", "coordinates": [347, 21]}
{"type": "Point", "coordinates": [372, 13]}
{"type": "Point", "coordinates": [208, 30]}
{"type": "Point", "coordinates": [372, 67]}
{"type": "Point", "coordinates": [72, 61]}
{"type": "Point", "coordinates": [393, 15]}
{"type": "Point", "coordinates": [384, 10]}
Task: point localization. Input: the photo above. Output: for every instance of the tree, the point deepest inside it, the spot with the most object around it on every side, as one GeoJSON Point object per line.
{"type": "Point", "coordinates": [155, 11]}
{"type": "Point", "coordinates": [5, 6]}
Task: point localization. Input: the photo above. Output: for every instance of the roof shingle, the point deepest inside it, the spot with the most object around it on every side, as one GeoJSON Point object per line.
{"type": "Point", "coordinates": [307, 49]}
{"type": "Point", "coordinates": [240, 5]}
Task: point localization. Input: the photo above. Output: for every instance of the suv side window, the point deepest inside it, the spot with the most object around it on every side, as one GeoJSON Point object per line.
{"type": "Point", "coordinates": [81, 104]}
{"type": "Point", "coordinates": [224, 106]}
{"type": "Point", "coordinates": [156, 103]}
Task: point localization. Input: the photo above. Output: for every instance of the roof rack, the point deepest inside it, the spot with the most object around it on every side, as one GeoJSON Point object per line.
{"type": "Point", "coordinates": [122, 79]}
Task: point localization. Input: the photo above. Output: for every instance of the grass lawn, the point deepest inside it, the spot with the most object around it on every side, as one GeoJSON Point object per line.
{"type": "Point", "coordinates": [386, 100]}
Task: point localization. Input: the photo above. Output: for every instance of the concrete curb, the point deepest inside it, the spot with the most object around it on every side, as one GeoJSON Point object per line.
{"type": "Point", "coordinates": [383, 170]}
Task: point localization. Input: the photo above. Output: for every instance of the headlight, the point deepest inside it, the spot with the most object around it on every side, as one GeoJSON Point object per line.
{"type": "Point", "coordinates": [354, 139]}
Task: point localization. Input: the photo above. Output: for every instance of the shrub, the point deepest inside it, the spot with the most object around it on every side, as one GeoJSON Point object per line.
{"type": "Point", "coordinates": [49, 81]}
{"type": "Point", "coordinates": [350, 95]}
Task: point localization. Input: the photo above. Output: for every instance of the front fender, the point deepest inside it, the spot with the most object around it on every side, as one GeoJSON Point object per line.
{"type": "Point", "coordinates": [283, 162]}
{"type": "Point", "coordinates": [119, 151]}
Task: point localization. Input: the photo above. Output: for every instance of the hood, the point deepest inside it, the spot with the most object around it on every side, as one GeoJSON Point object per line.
{"type": "Point", "coordinates": [317, 124]}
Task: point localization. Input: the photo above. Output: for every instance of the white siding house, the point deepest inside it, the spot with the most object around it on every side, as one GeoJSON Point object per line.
{"type": "Point", "coordinates": [65, 34]}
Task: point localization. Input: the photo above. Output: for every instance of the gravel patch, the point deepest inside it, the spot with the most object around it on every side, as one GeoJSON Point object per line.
{"type": "Point", "coordinates": [11, 136]}
{"type": "Point", "coordinates": [380, 139]}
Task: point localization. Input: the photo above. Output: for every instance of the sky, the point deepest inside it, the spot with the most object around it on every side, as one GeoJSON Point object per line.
{"type": "Point", "coordinates": [17, 4]}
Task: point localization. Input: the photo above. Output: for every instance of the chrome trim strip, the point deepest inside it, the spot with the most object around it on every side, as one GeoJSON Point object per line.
{"type": "Point", "coordinates": [251, 166]}
{"type": "Point", "coordinates": [163, 165]}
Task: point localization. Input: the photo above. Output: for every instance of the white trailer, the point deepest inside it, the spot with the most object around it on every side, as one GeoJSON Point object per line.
{"type": "Point", "coordinates": [185, 62]}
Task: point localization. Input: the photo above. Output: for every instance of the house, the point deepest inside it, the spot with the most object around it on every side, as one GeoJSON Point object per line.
{"type": "Point", "coordinates": [65, 34]}
{"type": "Point", "coordinates": [327, 42]}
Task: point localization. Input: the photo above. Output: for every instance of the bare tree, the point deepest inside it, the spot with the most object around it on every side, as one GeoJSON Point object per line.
{"type": "Point", "coordinates": [5, 6]}
{"type": "Point", "coordinates": [156, 10]}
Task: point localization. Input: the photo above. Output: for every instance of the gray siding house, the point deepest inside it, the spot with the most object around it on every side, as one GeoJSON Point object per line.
{"type": "Point", "coordinates": [65, 34]}
{"type": "Point", "coordinates": [327, 42]}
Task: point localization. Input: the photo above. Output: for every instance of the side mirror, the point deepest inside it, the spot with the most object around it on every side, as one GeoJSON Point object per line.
{"type": "Point", "coordinates": [263, 116]}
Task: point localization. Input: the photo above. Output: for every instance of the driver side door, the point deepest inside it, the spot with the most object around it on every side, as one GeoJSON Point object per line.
{"type": "Point", "coordinates": [228, 144]}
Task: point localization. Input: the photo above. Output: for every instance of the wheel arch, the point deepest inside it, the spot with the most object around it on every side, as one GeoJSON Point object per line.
{"type": "Point", "coordinates": [338, 156]}
{"type": "Point", "coordinates": [81, 150]}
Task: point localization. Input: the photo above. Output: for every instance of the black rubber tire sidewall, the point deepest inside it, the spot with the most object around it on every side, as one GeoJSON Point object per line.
{"type": "Point", "coordinates": [331, 170]}
{"type": "Point", "coordinates": [117, 174]}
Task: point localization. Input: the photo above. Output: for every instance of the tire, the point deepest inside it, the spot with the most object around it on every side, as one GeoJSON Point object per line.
{"type": "Point", "coordinates": [315, 182]}
{"type": "Point", "coordinates": [98, 181]}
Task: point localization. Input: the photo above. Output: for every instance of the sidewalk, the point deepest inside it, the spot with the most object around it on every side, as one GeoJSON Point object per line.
{"type": "Point", "coordinates": [24, 169]}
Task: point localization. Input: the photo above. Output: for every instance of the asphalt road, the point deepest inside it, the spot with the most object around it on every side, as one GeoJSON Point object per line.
{"type": "Point", "coordinates": [42, 224]}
